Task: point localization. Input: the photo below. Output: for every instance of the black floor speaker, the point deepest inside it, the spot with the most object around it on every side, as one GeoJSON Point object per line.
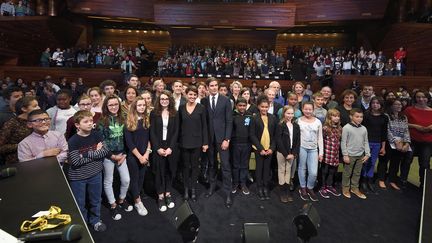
{"type": "Point", "coordinates": [256, 233]}
{"type": "Point", "coordinates": [186, 222]}
{"type": "Point", "coordinates": [307, 222]}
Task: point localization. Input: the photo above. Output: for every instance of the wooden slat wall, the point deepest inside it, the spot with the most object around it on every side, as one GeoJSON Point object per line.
{"type": "Point", "coordinates": [233, 14]}
{"type": "Point", "coordinates": [416, 38]}
{"type": "Point", "coordinates": [157, 42]}
{"type": "Point", "coordinates": [223, 37]}
{"type": "Point", "coordinates": [127, 8]}
{"type": "Point", "coordinates": [29, 36]}
{"type": "Point", "coordinates": [93, 77]}
{"type": "Point", "coordinates": [308, 40]}
{"type": "Point", "coordinates": [339, 10]}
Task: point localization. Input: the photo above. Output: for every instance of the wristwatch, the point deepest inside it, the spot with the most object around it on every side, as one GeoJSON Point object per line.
{"type": "Point", "coordinates": [150, 151]}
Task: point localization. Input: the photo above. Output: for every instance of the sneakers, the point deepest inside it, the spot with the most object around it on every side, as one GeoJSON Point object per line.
{"type": "Point", "coordinates": [115, 213]}
{"type": "Point", "coordinates": [323, 192]}
{"type": "Point", "coordinates": [125, 206]}
{"type": "Point", "coordinates": [169, 201]}
{"type": "Point", "coordinates": [303, 194]}
{"type": "Point", "coordinates": [99, 227]}
{"type": "Point", "coordinates": [161, 205]}
{"type": "Point", "coordinates": [141, 209]}
{"type": "Point", "coordinates": [234, 189]}
{"type": "Point", "coordinates": [346, 192]}
{"type": "Point", "coordinates": [333, 191]}
{"type": "Point", "coordinates": [358, 193]}
{"type": "Point", "coordinates": [245, 190]}
{"type": "Point", "coordinates": [313, 197]}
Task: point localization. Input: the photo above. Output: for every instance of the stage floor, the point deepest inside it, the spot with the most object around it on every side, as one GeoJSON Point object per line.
{"type": "Point", "coordinates": [389, 216]}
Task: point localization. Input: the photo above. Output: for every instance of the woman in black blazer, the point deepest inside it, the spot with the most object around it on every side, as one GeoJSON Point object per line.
{"type": "Point", "coordinates": [164, 129]}
{"type": "Point", "coordinates": [288, 148]}
{"type": "Point", "coordinates": [193, 139]}
{"type": "Point", "coordinates": [262, 136]}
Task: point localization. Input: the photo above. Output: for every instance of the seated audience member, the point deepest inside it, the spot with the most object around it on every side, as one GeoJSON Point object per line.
{"type": "Point", "coordinates": [7, 8]}
{"type": "Point", "coordinates": [11, 96]}
{"type": "Point", "coordinates": [61, 112]}
{"type": "Point", "coordinates": [84, 103]}
{"type": "Point", "coordinates": [42, 142]}
{"type": "Point", "coordinates": [20, 9]}
{"type": "Point", "coordinates": [16, 129]}
{"type": "Point", "coordinates": [87, 151]}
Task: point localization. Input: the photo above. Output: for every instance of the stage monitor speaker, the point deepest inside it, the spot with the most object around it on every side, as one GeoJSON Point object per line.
{"type": "Point", "coordinates": [256, 233]}
{"type": "Point", "coordinates": [307, 222]}
{"type": "Point", "coordinates": [186, 222]}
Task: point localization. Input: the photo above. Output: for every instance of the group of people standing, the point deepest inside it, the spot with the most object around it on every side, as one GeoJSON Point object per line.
{"type": "Point", "coordinates": [200, 128]}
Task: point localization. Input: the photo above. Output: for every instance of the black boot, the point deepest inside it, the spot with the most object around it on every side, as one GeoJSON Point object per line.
{"type": "Point", "coordinates": [193, 195]}
{"type": "Point", "coordinates": [289, 193]}
{"type": "Point", "coordinates": [266, 193]}
{"type": "Point", "coordinates": [186, 194]}
{"type": "Point", "coordinates": [371, 185]}
{"type": "Point", "coordinates": [211, 189]}
{"type": "Point", "coordinates": [363, 184]}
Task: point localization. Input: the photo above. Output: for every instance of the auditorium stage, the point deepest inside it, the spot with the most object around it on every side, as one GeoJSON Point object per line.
{"type": "Point", "coordinates": [390, 216]}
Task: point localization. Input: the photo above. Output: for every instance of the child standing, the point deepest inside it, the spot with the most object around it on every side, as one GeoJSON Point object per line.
{"type": "Point", "coordinates": [240, 145]}
{"type": "Point", "coordinates": [262, 133]}
{"type": "Point", "coordinates": [311, 151]}
{"type": "Point", "coordinates": [319, 111]}
{"type": "Point", "coordinates": [355, 151]}
{"type": "Point", "coordinates": [137, 136]}
{"type": "Point", "coordinates": [84, 170]}
{"type": "Point", "coordinates": [376, 124]}
{"type": "Point", "coordinates": [111, 126]}
{"type": "Point", "coordinates": [288, 146]}
{"type": "Point", "coordinates": [332, 132]}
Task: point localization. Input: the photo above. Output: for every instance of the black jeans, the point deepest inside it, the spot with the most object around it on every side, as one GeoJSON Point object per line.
{"type": "Point", "coordinates": [190, 166]}
{"type": "Point", "coordinates": [165, 169]}
{"type": "Point", "coordinates": [240, 158]}
{"type": "Point", "coordinates": [328, 172]}
{"type": "Point", "coordinates": [262, 171]}
{"type": "Point", "coordinates": [398, 159]}
{"type": "Point", "coordinates": [136, 173]}
{"type": "Point", "coordinates": [424, 152]}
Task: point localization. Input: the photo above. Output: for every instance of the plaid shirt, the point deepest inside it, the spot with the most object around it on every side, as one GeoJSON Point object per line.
{"type": "Point", "coordinates": [331, 145]}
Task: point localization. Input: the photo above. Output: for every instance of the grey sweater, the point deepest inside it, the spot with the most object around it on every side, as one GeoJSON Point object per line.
{"type": "Point", "coordinates": [355, 140]}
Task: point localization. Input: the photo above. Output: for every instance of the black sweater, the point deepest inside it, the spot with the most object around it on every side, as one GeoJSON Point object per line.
{"type": "Point", "coordinates": [241, 126]}
{"type": "Point", "coordinates": [137, 139]}
{"type": "Point", "coordinates": [376, 127]}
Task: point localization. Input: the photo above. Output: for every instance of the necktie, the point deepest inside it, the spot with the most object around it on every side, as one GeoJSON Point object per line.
{"type": "Point", "coordinates": [213, 103]}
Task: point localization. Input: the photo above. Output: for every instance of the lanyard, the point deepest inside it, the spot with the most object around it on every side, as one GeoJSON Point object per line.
{"type": "Point", "coordinates": [41, 222]}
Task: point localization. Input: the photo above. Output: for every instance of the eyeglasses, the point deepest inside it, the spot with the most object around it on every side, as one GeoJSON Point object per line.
{"type": "Point", "coordinates": [46, 120]}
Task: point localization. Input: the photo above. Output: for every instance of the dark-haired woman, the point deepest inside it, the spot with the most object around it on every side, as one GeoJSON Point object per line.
{"type": "Point", "coordinates": [163, 136]}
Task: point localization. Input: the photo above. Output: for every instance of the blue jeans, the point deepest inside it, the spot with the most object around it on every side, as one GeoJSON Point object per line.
{"type": "Point", "coordinates": [369, 166]}
{"type": "Point", "coordinates": [109, 166]}
{"type": "Point", "coordinates": [93, 188]}
{"type": "Point", "coordinates": [308, 160]}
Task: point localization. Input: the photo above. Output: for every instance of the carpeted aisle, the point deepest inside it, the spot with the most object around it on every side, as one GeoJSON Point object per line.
{"type": "Point", "coordinates": [390, 216]}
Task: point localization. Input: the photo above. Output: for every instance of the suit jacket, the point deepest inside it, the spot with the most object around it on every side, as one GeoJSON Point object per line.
{"type": "Point", "coordinates": [256, 131]}
{"type": "Point", "coordinates": [283, 139]}
{"type": "Point", "coordinates": [276, 108]}
{"type": "Point", "coordinates": [156, 127]}
{"type": "Point", "coordinates": [194, 131]}
{"type": "Point", "coordinates": [220, 120]}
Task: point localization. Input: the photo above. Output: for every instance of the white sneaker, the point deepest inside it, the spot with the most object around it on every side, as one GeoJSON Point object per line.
{"type": "Point", "coordinates": [141, 209]}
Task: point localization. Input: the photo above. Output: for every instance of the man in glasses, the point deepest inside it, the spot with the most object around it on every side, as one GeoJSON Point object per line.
{"type": "Point", "coordinates": [42, 142]}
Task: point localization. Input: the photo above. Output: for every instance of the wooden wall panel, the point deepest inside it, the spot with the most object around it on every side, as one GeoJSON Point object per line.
{"type": "Point", "coordinates": [157, 42]}
{"type": "Point", "coordinates": [233, 14]}
{"type": "Point", "coordinates": [223, 37]}
{"type": "Point", "coordinates": [339, 10]}
{"type": "Point", "coordinates": [308, 40]}
{"type": "Point", "coordinates": [417, 40]}
{"type": "Point", "coordinates": [126, 8]}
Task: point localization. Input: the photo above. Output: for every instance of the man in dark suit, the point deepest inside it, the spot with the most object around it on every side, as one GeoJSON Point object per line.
{"type": "Point", "coordinates": [219, 113]}
{"type": "Point", "coordinates": [274, 107]}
